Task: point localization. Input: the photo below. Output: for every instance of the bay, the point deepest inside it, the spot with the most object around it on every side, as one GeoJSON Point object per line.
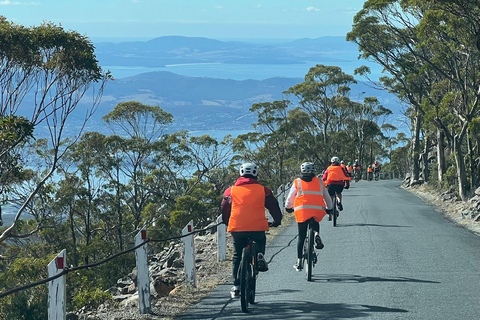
{"type": "Point", "coordinates": [241, 72]}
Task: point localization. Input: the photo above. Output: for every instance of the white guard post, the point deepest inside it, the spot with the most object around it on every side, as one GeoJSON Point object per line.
{"type": "Point", "coordinates": [221, 240]}
{"type": "Point", "coordinates": [57, 293]}
{"type": "Point", "coordinates": [280, 196]}
{"type": "Point", "coordinates": [143, 277]}
{"type": "Point", "coordinates": [189, 255]}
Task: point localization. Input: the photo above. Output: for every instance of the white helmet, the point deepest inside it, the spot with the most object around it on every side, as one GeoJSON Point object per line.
{"type": "Point", "coordinates": [249, 168]}
{"type": "Point", "coordinates": [335, 160]}
{"type": "Point", "coordinates": [342, 162]}
{"type": "Point", "coordinates": [307, 167]}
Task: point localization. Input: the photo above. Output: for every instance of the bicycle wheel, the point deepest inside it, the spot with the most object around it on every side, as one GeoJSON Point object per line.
{"type": "Point", "coordinates": [309, 265]}
{"type": "Point", "coordinates": [252, 276]}
{"type": "Point", "coordinates": [335, 212]}
{"type": "Point", "coordinates": [244, 278]}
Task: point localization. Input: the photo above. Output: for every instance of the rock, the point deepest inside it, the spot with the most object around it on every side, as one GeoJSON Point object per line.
{"type": "Point", "coordinates": [120, 298]}
{"type": "Point", "coordinates": [121, 283]}
{"type": "Point", "coordinates": [162, 287]}
{"type": "Point", "coordinates": [477, 218]}
{"type": "Point", "coordinates": [72, 316]}
{"type": "Point", "coordinates": [174, 291]}
{"type": "Point", "coordinates": [477, 192]}
{"type": "Point", "coordinates": [466, 212]}
{"type": "Point", "coordinates": [131, 301]}
{"type": "Point", "coordinates": [132, 288]}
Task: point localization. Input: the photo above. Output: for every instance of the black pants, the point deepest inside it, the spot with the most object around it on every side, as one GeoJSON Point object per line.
{"type": "Point", "coordinates": [240, 240]}
{"type": "Point", "coordinates": [302, 234]}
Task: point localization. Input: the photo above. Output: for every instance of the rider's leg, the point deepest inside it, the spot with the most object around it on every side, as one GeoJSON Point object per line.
{"type": "Point", "coordinates": [302, 234]}
{"type": "Point", "coordinates": [239, 242]}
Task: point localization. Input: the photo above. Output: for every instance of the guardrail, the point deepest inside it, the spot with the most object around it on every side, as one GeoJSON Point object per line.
{"type": "Point", "coordinates": [57, 268]}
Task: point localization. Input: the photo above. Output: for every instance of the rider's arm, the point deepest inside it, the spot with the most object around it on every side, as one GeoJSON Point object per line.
{"type": "Point", "coordinates": [327, 199]}
{"type": "Point", "coordinates": [325, 175]}
{"type": "Point", "coordinates": [273, 207]}
{"type": "Point", "coordinates": [290, 200]}
{"type": "Point", "coordinates": [226, 206]}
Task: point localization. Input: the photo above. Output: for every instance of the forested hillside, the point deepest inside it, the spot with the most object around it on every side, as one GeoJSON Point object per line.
{"type": "Point", "coordinates": [89, 190]}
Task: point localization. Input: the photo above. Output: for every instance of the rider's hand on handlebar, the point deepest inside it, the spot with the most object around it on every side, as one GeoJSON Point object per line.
{"type": "Point", "coordinates": [274, 224]}
{"type": "Point", "coordinates": [289, 210]}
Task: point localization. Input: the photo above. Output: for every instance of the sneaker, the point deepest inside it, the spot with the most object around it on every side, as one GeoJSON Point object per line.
{"type": "Point", "coordinates": [340, 206]}
{"type": "Point", "coordinates": [318, 242]}
{"type": "Point", "coordinates": [262, 264]}
{"type": "Point", "coordinates": [235, 292]}
{"type": "Point", "coordinates": [298, 266]}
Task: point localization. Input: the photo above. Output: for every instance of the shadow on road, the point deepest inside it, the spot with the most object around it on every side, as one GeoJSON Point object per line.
{"type": "Point", "coordinates": [353, 278]}
{"type": "Point", "coordinates": [293, 310]}
{"type": "Point", "coordinates": [371, 225]}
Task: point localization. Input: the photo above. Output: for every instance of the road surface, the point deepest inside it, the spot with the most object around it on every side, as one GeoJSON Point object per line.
{"type": "Point", "coordinates": [390, 257]}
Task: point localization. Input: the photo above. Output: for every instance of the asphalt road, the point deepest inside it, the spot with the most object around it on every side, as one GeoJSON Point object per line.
{"type": "Point", "coordinates": [390, 257]}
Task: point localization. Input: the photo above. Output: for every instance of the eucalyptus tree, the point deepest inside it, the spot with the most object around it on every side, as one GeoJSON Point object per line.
{"type": "Point", "coordinates": [276, 133]}
{"type": "Point", "coordinates": [140, 129]}
{"type": "Point", "coordinates": [324, 96]}
{"type": "Point", "coordinates": [422, 44]}
{"type": "Point", "coordinates": [45, 72]}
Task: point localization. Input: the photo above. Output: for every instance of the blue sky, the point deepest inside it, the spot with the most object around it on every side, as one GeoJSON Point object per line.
{"type": "Point", "coordinates": [217, 19]}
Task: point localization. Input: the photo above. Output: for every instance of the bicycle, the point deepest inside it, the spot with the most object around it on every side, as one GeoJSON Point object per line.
{"type": "Point", "coordinates": [248, 274]}
{"type": "Point", "coordinates": [356, 174]}
{"type": "Point", "coordinates": [309, 252]}
{"type": "Point", "coordinates": [335, 211]}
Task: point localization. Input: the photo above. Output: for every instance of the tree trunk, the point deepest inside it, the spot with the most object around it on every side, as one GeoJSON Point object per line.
{"type": "Point", "coordinates": [471, 160]}
{"type": "Point", "coordinates": [461, 172]}
{"type": "Point", "coordinates": [416, 147]}
{"type": "Point", "coordinates": [440, 155]}
{"type": "Point", "coordinates": [425, 170]}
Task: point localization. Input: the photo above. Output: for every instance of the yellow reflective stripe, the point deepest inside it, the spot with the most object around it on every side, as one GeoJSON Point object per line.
{"type": "Point", "coordinates": [310, 207]}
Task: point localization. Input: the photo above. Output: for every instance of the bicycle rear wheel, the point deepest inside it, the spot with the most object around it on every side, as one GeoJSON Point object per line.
{"type": "Point", "coordinates": [310, 253]}
{"type": "Point", "coordinates": [244, 278]}
{"type": "Point", "coordinates": [335, 212]}
{"type": "Point", "coordinates": [252, 275]}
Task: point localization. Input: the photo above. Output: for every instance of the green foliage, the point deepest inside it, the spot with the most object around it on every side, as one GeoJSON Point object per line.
{"type": "Point", "coordinates": [91, 299]}
{"type": "Point", "coordinates": [27, 304]}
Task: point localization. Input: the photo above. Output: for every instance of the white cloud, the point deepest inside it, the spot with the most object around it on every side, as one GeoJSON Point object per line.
{"type": "Point", "coordinates": [312, 9]}
{"type": "Point", "coordinates": [16, 3]}
{"type": "Point", "coordinates": [218, 7]}
{"type": "Point", "coordinates": [9, 3]}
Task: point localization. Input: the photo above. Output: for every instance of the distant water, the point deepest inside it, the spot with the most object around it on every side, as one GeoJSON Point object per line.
{"type": "Point", "coordinates": [241, 72]}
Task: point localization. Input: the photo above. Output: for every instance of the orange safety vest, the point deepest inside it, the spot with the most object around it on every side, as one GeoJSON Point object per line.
{"type": "Point", "coordinates": [309, 202]}
{"type": "Point", "coordinates": [336, 173]}
{"type": "Point", "coordinates": [349, 169]}
{"type": "Point", "coordinates": [248, 208]}
{"type": "Point", "coordinates": [369, 170]}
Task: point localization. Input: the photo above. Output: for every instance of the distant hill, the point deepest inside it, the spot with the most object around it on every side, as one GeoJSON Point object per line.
{"type": "Point", "coordinates": [197, 103]}
{"type": "Point", "coordinates": [200, 103]}
{"type": "Point", "coordinates": [163, 51]}
{"type": "Point", "coordinates": [203, 103]}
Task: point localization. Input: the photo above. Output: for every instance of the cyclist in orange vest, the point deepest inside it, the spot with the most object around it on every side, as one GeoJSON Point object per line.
{"type": "Point", "coordinates": [350, 169]}
{"type": "Point", "coordinates": [309, 199]}
{"type": "Point", "coordinates": [243, 211]}
{"type": "Point", "coordinates": [336, 178]}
